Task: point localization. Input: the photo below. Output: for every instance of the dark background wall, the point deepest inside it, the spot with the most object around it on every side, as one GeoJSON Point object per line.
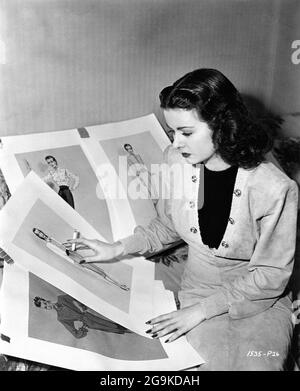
{"type": "Point", "coordinates": [72, 63]}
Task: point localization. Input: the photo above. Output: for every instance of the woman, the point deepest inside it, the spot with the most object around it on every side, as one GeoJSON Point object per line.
{"type": "Point", "coordinates": [234, 303]}
{"type": "Point", "coordinates": [70, 310]}
{"type": "Point", "coordinates": [63, 178]}
{"type": "Point", "coordinates": [4, 191]}
{"type": "Point", "coordinates": [138, 168]}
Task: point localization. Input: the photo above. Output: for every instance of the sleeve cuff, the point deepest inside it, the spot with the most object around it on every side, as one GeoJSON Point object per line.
{"type": "Point", "coordinates": [134, 244]}
{"type": "Point", "coordinates": [215, 304]}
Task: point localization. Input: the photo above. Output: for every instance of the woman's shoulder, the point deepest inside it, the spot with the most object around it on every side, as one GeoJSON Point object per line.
{"type": "Point", "coordinates": [270, 179]}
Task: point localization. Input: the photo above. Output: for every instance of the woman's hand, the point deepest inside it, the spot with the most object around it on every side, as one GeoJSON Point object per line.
{"type": "Point", "coordinates": [101, 251]}
{"type": "Point", "coordinates": [177, 322]}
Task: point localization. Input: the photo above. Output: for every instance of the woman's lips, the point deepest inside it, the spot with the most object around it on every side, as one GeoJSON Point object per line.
{"type": "Point", "coordinates": [186, 154]}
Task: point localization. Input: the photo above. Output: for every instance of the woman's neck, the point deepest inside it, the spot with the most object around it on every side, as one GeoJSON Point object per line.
{"type": "Point", "coordinates": [216, 163]}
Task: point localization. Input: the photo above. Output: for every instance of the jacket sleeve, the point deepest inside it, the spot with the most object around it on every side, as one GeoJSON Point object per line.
{"type": "Point", "coordinates": [160, 232]}
{"type": "Point", "coordinates": [270, 266]}
{"type": "Point", "coordinates": [69, 325]}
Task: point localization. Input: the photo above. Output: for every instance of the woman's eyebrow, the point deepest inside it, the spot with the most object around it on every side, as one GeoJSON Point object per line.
{"type": "Point", "coordinates": [180, 127]}
{"type": "Point", "coordinates": [185, 127]}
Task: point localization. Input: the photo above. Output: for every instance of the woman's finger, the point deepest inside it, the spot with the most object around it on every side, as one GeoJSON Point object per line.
{"type": "Point", "coordinates": [161, 318]}
{"type": "Point", "coordinates": [165, 331]}
{"type": "Point", "coordinates": [177, 334]}
{"type": "Point", "coordinates": [92, 258]}
{"type": "Point", "coordinates": [162, 325]}
{"type": "Point", "coordinates": [90, 244]}
{"type": "Point", "coordinates": [78, 246]}
{"type": "Point", "coordinates": [82, 247]}
{"type": "Point", "coordinates": [80, 240]}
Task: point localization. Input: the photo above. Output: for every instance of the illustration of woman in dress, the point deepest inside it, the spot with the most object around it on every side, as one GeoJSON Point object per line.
{"type": "Point", "coordinates": [4, 191]}
{"type": "Point", "coordinates": [137, 167]}
{"type": "Point", "coordinates": [70, 311]}
{"type": "Point", "coordinates": [63, 178]}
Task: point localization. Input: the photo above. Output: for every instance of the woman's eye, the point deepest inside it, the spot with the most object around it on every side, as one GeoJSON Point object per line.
{"type": "Point", "coordinates": [186, 134]}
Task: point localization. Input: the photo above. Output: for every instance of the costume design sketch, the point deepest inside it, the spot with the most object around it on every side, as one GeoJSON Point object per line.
{"type": "Point", "coordinates": [137, 168]}
{"type": "Point", "coordinates": [69, 311]}
{"type": "Point", "coordinates": [4, 190]}
{"type": "Point", "coordinates": [63, 178]}
{"type": "Point", "coordinates": [61, 161]}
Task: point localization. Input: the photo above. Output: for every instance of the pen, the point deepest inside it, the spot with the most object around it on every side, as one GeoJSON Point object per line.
{"type": "Point", "coordinates": [76, 235]}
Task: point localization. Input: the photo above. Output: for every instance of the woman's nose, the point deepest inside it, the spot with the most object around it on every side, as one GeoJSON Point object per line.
{"type": "Point", "coordinates": [177, 141]}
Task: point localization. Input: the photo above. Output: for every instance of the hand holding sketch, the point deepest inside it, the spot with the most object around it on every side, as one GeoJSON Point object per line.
{"type": "Point", "coordinates": [121, 292]}
{"type": "Point", "coordinates": [102, 251]}
{"type": "Point", "coordinates": [77, 258]}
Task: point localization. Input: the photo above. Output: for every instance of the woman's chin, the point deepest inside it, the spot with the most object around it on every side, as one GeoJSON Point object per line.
{"type": "Point", "coordinates": [191, 159]}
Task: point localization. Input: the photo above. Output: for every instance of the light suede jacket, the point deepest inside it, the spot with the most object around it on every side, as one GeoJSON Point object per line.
{"type": "Point", "coordinates": [255, 258]}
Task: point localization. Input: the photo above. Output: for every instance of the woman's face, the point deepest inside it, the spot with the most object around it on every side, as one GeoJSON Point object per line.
{"type": "Point", "coordinates": [129, 148]}
{"type": "Point", "coordinates": [192, 137]}
{"type": "Point", "coordinates": [51, 163]}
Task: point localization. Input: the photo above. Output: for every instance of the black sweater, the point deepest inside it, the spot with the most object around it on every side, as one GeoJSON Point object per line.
{"type": "Point", "coordinates": [214, 215]}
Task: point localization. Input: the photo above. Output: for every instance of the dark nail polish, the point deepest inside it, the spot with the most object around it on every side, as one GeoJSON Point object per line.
{"type": "Point", "coordinates": [166, 341]}
{"type": "Point", "coordinates": [149, 322]}
{"type": "Point", "coordinates": [149, 331]}
{"type": "Point", "coordinates": [81, 262]}
{"type": "Point", "coordinates": [154, 335]}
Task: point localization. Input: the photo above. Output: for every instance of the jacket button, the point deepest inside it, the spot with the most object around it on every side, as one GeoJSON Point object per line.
{"type": "Point", "coordinates": [194, 178]}
{"type": "Point", "coordinates": [225, 244]}
{"type": "Point", "coordinates": [192, 204]}
{"type": "Point", "coordinates": [193, 230]}
{"type": "Point", "coordinates": [237, 192]}
{"type": "Point", "coordinates": [231, 221]}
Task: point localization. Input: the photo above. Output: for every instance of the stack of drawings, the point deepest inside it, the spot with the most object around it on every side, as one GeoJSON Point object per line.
{"type": "Point", "coordinates": [54, 310]}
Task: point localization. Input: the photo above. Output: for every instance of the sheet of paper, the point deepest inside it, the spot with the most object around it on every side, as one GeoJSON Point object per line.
{"type": "Point", "coordinates": [128, 155]}
{"type": "Point", "coordinates": [35, 205]}
{"type": "Point", "coordinates": [25, 153]}
{"type": "Point", "coordinates": [181, 353]}
{"type": "Point", "coordinates": [110, 333]}
{"type": "Point", "coordinates": [112, 194]}
{"type": "Point", "coordinates": [53, 333]}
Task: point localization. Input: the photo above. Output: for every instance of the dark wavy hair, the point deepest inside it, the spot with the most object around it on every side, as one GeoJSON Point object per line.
{"type": "Point", "coordinates": [127, 145]}
{"type": "Point", "coordinates": [237, 137]}
{"type": "Point", "coordinates": [37, 301]}
{"type": "Point", "coordinates": [51, 157]}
